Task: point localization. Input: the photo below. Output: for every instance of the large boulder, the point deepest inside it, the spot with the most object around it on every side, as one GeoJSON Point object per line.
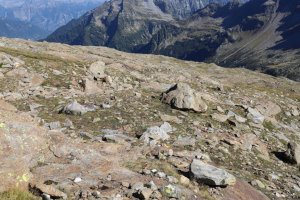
{"type": "Point", "coordinates": [292, 154]}
{"type": "Point", "coordinates": [74, 108]}
{"type": "Point", "coordinates": [210, 175]}
{"type": "Point", "coordinates": [183, 97]}
{"type": "Point", "coordinates": [90, 87]}
{"type": "Point", "coordinates": [98, 69]}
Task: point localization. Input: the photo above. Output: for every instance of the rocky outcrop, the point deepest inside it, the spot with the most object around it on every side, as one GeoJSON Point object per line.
{"type": "Point", "coordinates": [22, 146]}
{"type": "Point", "coordinates": [182, 97]}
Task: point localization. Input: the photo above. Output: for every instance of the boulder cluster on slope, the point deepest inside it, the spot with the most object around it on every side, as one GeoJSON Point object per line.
{"type": "Point", "coordinates": [96, 123]}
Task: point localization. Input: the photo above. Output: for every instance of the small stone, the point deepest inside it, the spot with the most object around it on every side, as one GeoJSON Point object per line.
{"type": "Point", "coordinates": [108, 79]}
{"type": "Point", "coordinates": [240, 119]}
{"type": "Point", "coordinates": [95, 120]}
{"type": "Point", "coordinates": [104, 105]}
{"type": "Point", "coordinates": [219, 109]}
{"type": "Point", "coordinates": [161, 174]}
{"type": "Point", "coordinates": [125, 184]}
{"type": "Point", "coordinates": [273, 176]}
{"type": "Point", "coordinates": [219, 117]}
{"type": "Point", "coordinates": [96, 194]}
{"type": "Point", "coordinates": [260, 184]}
{"type": "Point", "coordinates": [156, 133]}
{"type": "Point", "coordinates": [137, 186]}
{"type": "Point", "coordinates": [85, 135]}
{"type": "Point", "coordinates": [145, 193]}
{"type": "Point", "coordinates": [171, 191]}
{"type": "Point", "coordinates": [77, 180]}
{"type": "Point", "coordinates": [46, 196]}
{"type": "Point", "coordinates": [184, 180]}
{"type": "Point", "coordinates": [54, 125]}
{"type": "Point", "coordinates": [138, 95]}
{"type": "Point", "coordinates": [69, 124]}
{"type": "Point", "coordinates": [185, 141]}
{"type": "Point", "coordinates": [172, 179]}
{"type": "Point", "coordinates": [151, 185]}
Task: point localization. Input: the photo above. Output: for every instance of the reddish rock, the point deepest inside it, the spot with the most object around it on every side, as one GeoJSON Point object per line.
{"type": "Point", "coordinates": [242, 191]}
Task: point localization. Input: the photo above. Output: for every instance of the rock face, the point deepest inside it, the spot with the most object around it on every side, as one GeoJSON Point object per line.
{"type": "Point", "coordinates": [182, 97]}
{"type": "Point", "coordinates": [22, 146]}
{"type": "Point", "coordinates": [293, 153]}
{"type": "Point", "coordinates": [210, 175]}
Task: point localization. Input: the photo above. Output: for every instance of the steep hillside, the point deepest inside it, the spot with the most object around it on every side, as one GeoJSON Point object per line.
{"type": "Point", "coordinates": [92, 123]}
{"type": "Point", "coordinates": [259, 35]}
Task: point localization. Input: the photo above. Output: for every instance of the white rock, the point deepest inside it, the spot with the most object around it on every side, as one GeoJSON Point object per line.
{"type": "Point", "coordinates": [77, 180]}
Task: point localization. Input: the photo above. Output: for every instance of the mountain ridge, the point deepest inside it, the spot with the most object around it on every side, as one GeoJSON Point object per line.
{"type": "Point", "coordinates": [234, 31]}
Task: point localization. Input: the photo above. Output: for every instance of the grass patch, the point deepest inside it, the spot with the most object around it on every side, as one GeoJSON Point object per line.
{"type": "Point", "coordinates": [17, 194]}
{"type": "Point", "coordinates": [159, 165]}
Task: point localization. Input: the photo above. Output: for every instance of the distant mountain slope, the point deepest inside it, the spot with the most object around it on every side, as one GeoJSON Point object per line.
{"type": "Point", "coordinates": [45, 14]}
{"type": "Point", "coordinates": [18, 29]}
{"type": "Point", "coordinates": [127, 25]}
{"type": "Point", "coordinates": [260, 34]}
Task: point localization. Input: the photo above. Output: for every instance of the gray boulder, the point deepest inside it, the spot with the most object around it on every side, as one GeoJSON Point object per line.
{"type": "Point", "coordinates": [157, 133]}
{"type": "Point", "coordinates": [97, 69]}
{"type": "Point", "coordinates": [255, 116]}
{"type": "Point", "coordinates": [74, 108]}
{"type": "Point", "coordinates": [292, 154]}
{"type": "Point", "coordinates": [185, 141]}
{"type": "Point", "coordinates": [183, 97]}
{"type": "Point", "coordinates": [210, 175]}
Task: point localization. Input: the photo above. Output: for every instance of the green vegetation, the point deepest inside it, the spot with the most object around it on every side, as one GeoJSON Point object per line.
{"type": "Point", "coordinates": [17, 194]}
{"type": "Point", "coordinates": [159, 165]}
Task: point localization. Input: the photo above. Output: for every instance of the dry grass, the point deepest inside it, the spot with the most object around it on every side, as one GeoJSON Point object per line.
{"type": "Point", "coordinates": [17, 194]}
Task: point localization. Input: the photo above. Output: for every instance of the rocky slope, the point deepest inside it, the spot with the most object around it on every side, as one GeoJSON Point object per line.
{"type": "Point", "coordinates": [259, 35]}
{"type": "Point", "coordinates": [95, 123]}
